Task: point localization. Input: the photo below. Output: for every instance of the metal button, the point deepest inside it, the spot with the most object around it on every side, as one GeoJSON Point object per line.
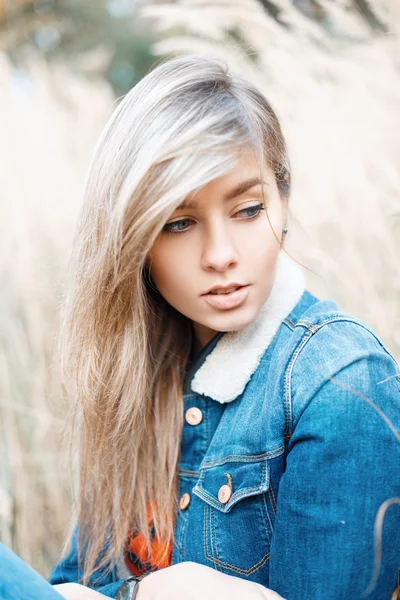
{"type": "Point", "coordinates": [184, 501]}
{"type": "Point", "coordinates": [224, 493]}
{"type": "Point", "coordinates": [193, 416]}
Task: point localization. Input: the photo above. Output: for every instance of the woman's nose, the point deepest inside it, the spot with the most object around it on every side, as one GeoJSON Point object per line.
{"type": "Point", "coordinates": [219, 251]}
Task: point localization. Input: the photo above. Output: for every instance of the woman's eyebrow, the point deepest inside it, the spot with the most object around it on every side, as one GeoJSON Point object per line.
{"type": "Point", "coordinates": [238, 190]}
{"type": "Point", "coordinates": [243, 187]}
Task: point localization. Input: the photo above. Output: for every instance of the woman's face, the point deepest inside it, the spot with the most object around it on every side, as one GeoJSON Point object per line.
{"type": "Point", "coordinates": [223, 239]}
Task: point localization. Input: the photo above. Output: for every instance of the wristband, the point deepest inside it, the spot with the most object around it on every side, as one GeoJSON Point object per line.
{"type": "Point", "coordinates": [129, 589]}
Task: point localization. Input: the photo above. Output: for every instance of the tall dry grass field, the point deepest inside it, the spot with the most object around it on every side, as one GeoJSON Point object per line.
{"type": "Point", "coordinates": [49, 123]}
{"type": "Point", "coordinates": [336, 89]}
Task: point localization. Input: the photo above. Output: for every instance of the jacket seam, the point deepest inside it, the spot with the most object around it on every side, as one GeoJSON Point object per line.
{"type": "Point", "coordinates": [315, 328]}
{"type": "Point", "coordinates": [288, 321]}
{"type": "Point", "coordinates": [272, 499]}
{"type": "Point", "coordinates": [265, 516]}
{"type": "Point", "coordinates": [243, 458]}
{"type": "Point", "coordinates": [244, 493]}
{"type": "Point", "coordinates": [217, 561]}
{"type": "Point", "coordinates": [287, 387]}
{"type": "Point", "coordinates": [189, 472]}
{"type": "Point", "coordinates": [312, 329]}
{"type": "Point", "coordinates": [250, 571]}
{"type": "Point", "coordinates": [207, 409]}
{"type": "Point", "coordinates": [206, 512]}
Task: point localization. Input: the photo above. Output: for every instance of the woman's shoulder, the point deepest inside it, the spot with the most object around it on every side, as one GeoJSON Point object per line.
{"type": "Point", "coordinates": [332, 345]}
{"type": "Point", "coordinates": [324, 328]}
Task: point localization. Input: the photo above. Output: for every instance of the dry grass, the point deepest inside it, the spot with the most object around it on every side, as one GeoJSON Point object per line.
{"type": "Point", "coordinates": [49, 126]}
{"type": "Point", "coordinates": [338, 99]}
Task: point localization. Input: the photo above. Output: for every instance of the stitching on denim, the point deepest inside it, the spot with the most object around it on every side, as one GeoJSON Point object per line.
{"type": "Point", "coordinates": [272, 499]}
{"type": "Point", "coordinates": [207, 554]}
{"type": "Point", "coordinates": [183, 534]}
{"type": "Point", "coordinates": [206, 511]}
{"type": "Point", "coordinates": [290, 322]}
{"type": "Point", "coordinates": [213, 535]}
{"type": "Point", "coordinates": [189, 395]}
{"type": "Point", "coordinates": [189, 471]}
{"type": "Point", "coordinates": [262, 498]}
{"type": "Point", "coordinates": [287, 392]}
{"type": "Point", "coordinates": [243, 571]}
{"type": "Point", "coordinates": [203, 493]}
{"type": "Point", "coordinates": [263, 472]}
{"type": "Point", "coordinates": [242, 493]}
{"type": "Point", "coordinates": [221, 563]}
{"type": "Point", "coordinates": [264, 509]}
{"type": "Point", "coordinates": [314, 328]}
{"type": "Point", "coordinates": [266, 520]}
{"type": "Point", "coordinates": [308, 324]}
{"type": "Point", "coordinates": [206, 422]}
{"type": "Point", "coordinates": [205, 515]}
{"type": "Point", "coordinates": [205, 530]}
{"type": "Point", "coordinates": [243, 458]}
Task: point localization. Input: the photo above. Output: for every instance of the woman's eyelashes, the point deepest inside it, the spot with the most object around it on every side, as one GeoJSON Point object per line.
{"type": "Point", "coordinates": [250, 212]}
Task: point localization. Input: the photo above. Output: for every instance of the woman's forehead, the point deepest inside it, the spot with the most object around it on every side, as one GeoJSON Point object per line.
{"type": "Point", "coordinates": [247, 175]}
{"type": "Point", "coordinates": [237, 190]}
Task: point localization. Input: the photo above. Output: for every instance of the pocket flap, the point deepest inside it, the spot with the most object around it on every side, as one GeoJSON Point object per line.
{"type": "Point", "coordinates": [244, 479]}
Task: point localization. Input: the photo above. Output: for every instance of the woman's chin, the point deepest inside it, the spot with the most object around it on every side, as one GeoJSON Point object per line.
{"type": "Point", "coordinates": [232, 320]}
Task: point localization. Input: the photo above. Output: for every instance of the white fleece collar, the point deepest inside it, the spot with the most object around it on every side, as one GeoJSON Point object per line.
{"type": "Point", "coordinates": [227, 369]}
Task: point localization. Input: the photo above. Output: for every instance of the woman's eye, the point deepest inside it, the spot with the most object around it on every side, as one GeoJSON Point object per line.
{"type": "Point", "coordinates": [181, 225]}
{"type": "Point", "coordinates": [251, 211]}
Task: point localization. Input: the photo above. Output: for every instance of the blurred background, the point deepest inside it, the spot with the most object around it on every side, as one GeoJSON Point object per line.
{"type": "Point", "coordinates": [331, 70]}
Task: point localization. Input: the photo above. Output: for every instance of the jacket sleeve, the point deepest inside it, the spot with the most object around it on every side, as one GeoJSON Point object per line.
{"type": "Point", "coordinates": [343, 463]}
{"type": "Point", "coordinates": [69, 570]}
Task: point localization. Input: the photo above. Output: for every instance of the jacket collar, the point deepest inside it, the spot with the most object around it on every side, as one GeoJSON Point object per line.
{"type": "Point", "coordinates": [229, 359]}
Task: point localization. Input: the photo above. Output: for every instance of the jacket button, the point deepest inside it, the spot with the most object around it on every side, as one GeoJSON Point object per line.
{"type": "Point", "coordinates": [184, 501]}
{"type": "Point", "coordinates": [224, 493]}
{"type": "Point", "coordinates": [193, 416]}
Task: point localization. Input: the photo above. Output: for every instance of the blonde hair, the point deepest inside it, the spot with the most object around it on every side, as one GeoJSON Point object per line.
{"type": "Point", "coordinates": [123, 349]}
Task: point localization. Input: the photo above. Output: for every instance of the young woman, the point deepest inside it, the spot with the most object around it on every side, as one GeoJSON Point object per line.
{"type": "Point", "coordinates": [237, 435]}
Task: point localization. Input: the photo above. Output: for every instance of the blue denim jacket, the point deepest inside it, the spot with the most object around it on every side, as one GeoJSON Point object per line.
{"type": "Point", "coordinates": [293, 456]}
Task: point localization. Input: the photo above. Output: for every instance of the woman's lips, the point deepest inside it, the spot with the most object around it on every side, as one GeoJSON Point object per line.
{"type": "Point", "coordinates": [227, 301]}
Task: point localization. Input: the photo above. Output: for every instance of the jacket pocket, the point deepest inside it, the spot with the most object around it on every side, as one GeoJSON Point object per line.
{"type": "Point", "coordinates": [237, 522]}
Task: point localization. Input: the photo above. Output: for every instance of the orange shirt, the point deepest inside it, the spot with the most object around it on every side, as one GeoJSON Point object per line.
{"type": "Point", "coordinates": [136, 557]}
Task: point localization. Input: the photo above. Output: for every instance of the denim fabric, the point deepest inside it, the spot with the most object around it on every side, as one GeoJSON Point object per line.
{"type": "Point", "coordinates": [309, 461]}
{"type": "Point", "coordinates": [69, 569]}
{"type": "Point", "coordinates": [18, 581]}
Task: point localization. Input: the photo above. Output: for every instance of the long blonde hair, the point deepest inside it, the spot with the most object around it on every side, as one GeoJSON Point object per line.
{"type": "Point", "coordinates": [123, 349]}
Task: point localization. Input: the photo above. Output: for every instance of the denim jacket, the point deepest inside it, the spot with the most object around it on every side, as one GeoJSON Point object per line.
{"type": "Point", "coordinates": [291, 455]}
